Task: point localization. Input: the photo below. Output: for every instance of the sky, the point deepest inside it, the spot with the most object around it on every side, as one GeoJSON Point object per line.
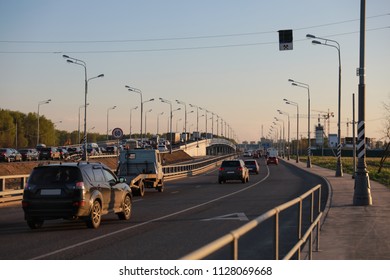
{"type": "Point", "coordinates": [220, 55]}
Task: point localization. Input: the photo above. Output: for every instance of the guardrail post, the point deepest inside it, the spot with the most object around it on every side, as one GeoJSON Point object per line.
{"type": "Point", "coordinates": [277, 235]}
{"type": "Point", "coordinates": [299, 226]}
{"type": "Point", "coordinates": [2, 184]}
{"type": "Point", "coordinates": [235, 248]}
{"type": "Point", "coordinates": [23, 182]}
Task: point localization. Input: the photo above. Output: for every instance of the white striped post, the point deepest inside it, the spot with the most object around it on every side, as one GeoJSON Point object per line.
{"type": "Point", "coordinates": [362, 193]}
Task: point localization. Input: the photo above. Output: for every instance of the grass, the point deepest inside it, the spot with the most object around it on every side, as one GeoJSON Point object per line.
{"type": "Point", "coordinates": [372, 167]}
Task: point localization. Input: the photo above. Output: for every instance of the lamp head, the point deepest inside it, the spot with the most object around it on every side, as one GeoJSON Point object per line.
{"type": "Point", "coordinates": [310, 36]}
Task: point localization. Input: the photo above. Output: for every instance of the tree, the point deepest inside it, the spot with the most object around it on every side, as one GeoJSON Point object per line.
{"type": "Point", "coordinates": [386, 131]}
{"type": "Point", "coordinates": [7, 129]}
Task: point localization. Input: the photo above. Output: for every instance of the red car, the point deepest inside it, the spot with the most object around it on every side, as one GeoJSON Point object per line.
{"type": "Point", "coordinates": [272, 160]}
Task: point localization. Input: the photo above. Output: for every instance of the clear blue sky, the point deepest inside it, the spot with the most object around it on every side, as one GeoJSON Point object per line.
{"type": "Point", "coordinates": [222, 55]}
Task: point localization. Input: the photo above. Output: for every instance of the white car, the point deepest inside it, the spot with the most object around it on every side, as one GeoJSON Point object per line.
{"type": "Point", "coordinates": [248, 154]}
{"type": "Point", "coordinates": [162, 148]}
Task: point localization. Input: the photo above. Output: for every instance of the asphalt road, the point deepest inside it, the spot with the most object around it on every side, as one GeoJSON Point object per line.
{"type": "Point", "coordinates": [190, 213]}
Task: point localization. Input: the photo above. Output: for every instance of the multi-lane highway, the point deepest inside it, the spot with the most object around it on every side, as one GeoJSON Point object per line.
{"type": "Point", "coordinates": [190, 213]}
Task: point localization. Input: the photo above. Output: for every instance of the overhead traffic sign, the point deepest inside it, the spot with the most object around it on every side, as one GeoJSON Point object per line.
{"type": "Point", "coordinates": [285, 40]}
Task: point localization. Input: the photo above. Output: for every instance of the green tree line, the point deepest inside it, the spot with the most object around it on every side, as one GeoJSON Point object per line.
{"type": "Point", "coordinates": [19, 130]}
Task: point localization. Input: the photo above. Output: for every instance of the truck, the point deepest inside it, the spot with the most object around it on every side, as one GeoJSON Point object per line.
{"type": "Point", "coordinates": [142, 169]}
{"type": "Point", "coordinates": [173, 137]}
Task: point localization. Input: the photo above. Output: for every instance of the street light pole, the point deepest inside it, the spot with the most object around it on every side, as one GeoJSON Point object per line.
{"type": "Point", "coordinates": [288, 132]}
{"type": "Point", "coordinates": [170, 121]}
{"type": "Point", "coordinates": [39, 104]}
{"type": "Point", "coordinates": [131, 109]}
{"type": "Point", "coordinates": [336, 45]}
{"type": "Point", "coordinates": [111, 108]}
{"type": "Point", "coordinates": [283, 142]}
{"type": "Point", "coordinates": [78, 129]}
{"type": "Point", "coordinates": [185, 120]}
{"type": "Point", "coordinates": [142, 105]}
{"type": "Point", "coordinates": [197, 124]}
{"type": "Point", "coordinates": [86, 80]}
{"type": "Point", "coordinates": [295, 104]}
{"type": "Point", "coordinates": [362, 193]}
{"type": "Point", "coordinates": [306, 86]}
{"type": "Point", "coordinates": [205, 115]}
{"type": "Point", "coordinates": [150, 110]}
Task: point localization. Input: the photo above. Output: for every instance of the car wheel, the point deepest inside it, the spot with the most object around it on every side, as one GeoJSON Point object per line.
{"type": "Point", "coordinates": [160, 187]}
{"type": "Point", "coordinates": [95, 216]}
{"type": "Point", "coordinates": [34, 223]}
{"type": "Point", "coordinates": [141, 189]}
{"type": "Point", "coordinates": [126, 209]}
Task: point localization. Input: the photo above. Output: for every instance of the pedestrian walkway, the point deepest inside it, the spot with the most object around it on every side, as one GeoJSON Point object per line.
{"type": "Point", "coordinates": [351, 232]}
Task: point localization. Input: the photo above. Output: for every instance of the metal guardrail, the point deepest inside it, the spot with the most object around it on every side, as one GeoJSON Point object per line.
{"type": "Point", "coordinates": [175, 171]}
{"type": "Point", "coordinates": [170, 172]}
{"type": "Point", "coordinates": [233, 237]}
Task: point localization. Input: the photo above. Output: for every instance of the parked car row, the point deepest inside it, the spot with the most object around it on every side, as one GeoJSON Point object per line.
{"type": "Point", "coordinates": [10, 154]}
{"type": "Point", "coordinates": [29, 154]}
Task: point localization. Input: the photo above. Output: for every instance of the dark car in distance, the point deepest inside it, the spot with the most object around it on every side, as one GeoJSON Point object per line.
{"type": "Point", "coordinates": [252, 166]}
{"type": "Point", "coordinates": [80, 190]}
{"type": "Point", "coordinates": [49, 153]}
{"type": "Point", "coordinates": [29, 154]}
{"type": "Point", "coordinates": [272, 160]}
{"type": "Point", "coordinates": [233, 170]}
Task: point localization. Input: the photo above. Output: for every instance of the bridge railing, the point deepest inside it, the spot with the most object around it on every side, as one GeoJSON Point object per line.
{"type": "Point", "coordinates": [233, 237]}
{"type": "Point", "coordinates": [175, 171]}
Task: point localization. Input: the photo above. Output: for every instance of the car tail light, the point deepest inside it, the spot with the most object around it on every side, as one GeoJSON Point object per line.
{"type": "Point", "coordinates": [221, 169]}
{"type": "Point", "coordinates": [80, 203]}
{"type": "Point", "coordinates": [80, 185]}
{"type": "Point", "coordinates": [239, 168]}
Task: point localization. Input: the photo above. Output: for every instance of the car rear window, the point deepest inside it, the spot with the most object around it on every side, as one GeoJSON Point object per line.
{"type": "Point", "coordinates": [232, 163]}
{"type": "Point", "coordinates": [250, 162]}
{"type": "Point", "coordinates": [55, 174]}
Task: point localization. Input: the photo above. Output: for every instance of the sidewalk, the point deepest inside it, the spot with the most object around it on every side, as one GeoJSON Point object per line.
{"type": "Point", "coordinates": [352, 232]}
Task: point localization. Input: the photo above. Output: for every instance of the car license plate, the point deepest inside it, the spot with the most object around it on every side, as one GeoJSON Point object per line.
{"type": "Point", "coordinates": [50, 191]}
{"type": "Point", "coordinates": [230, 172]}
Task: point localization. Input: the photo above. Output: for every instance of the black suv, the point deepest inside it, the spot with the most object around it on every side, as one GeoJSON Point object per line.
{"type": "Point", "coordinates": [49, 153]}
{"type": "Point", "coordinates": [233, 170]}
{"type": "Point", "coordinates": [75, 190]}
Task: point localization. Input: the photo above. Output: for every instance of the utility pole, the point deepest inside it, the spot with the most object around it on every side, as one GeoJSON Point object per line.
{"type": "Point", "coordinates": [362, 193]}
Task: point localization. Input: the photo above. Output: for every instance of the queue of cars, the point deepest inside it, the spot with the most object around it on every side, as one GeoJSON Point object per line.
{"type": "Point", "coordinates": [29, 154]}
{"type": "Point", "coordinates": [68, 190]}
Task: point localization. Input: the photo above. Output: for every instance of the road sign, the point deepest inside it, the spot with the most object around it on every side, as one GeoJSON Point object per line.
{"type": "Point", "coordinates": [285, 40]}
{"type": "Point", "coordinates": [117, 133]}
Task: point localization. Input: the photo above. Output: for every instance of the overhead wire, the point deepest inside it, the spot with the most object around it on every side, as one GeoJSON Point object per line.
{"type": "Point", "coordinates": [178, 38]}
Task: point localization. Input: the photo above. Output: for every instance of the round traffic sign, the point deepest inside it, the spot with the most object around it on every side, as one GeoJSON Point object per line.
{"type": "Point", "coordinates": [117, 133]}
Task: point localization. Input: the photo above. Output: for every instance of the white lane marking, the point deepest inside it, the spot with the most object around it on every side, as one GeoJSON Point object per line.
{"type": "Point", "coordinates": [233, 216]}
{"type": "Point", "coordinates": [149, 222]}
